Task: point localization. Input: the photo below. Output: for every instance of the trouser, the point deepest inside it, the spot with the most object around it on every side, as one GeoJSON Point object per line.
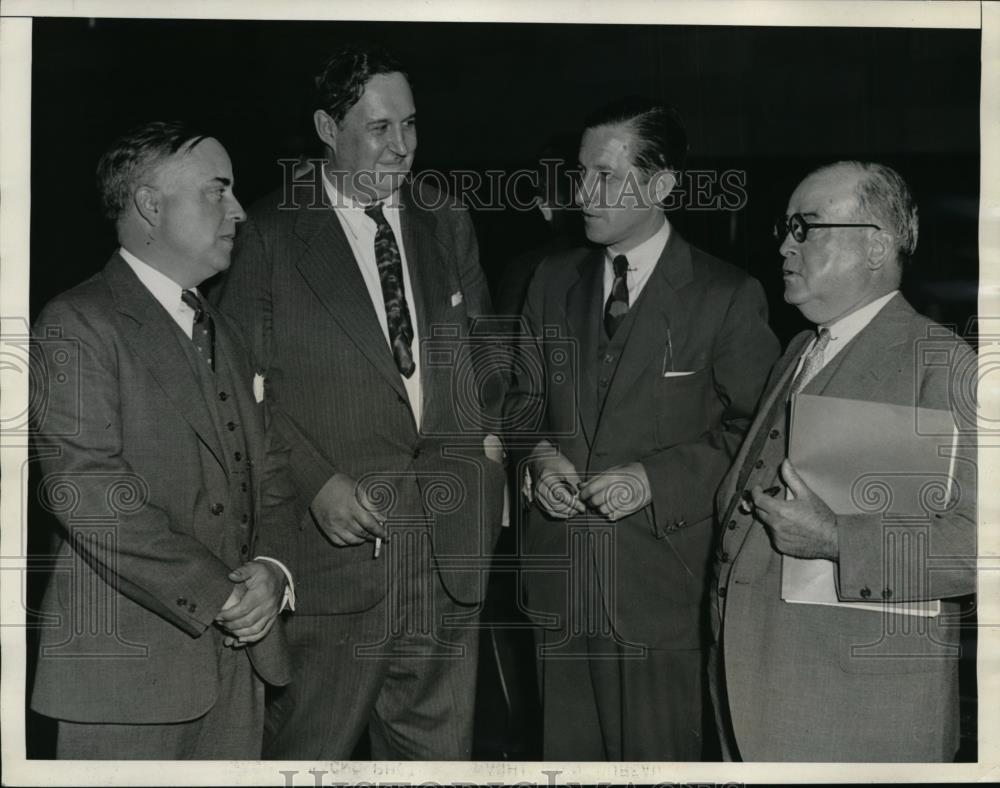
{"type": "Point", "coordinates": [231, 730]}
{"type": "Point", "coordinates": [400, 669]}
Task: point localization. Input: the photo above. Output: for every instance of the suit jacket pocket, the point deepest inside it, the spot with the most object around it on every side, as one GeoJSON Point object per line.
{"type": "Point", "coordinates": [680, 406]}
{"type": "Point", "coordinates": [926, 648]}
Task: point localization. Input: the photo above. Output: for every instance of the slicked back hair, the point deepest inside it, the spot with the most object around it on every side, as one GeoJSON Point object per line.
{"type": "Point", "coordinates": [341, 82]}
{"type": "Point", "coordinates": [884, 198]}
{"type": "Point", "coordinates": [659, 132]}
{"type": "Point", "coordinates": [130, 159]}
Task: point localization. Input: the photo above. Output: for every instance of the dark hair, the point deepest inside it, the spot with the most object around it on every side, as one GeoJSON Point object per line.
{"type": "Point", "coordinates": [344, 75]}
{"type": "Point", "coordinates": [131, 158]}
{"type": "Point", "coordinates": [659, 131]}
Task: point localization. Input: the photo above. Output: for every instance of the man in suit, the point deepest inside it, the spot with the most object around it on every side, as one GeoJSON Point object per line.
{"type": "Point", "coordinates": [652, 356]}
{"type": "Point", "coordinates": [154, 459]}
{"type": "Point", "coordinates": [808, 682]}
{"type": "Point", "coordinates": [356, 287]}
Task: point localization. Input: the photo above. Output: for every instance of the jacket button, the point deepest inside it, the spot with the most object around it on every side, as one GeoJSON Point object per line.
{"type": "Point", "coordinates": [217, 509]}
{"type": "Point", "coordinates": [245, 518]}
{"type": "Point", "coordinates": [237, 456]}
{"type": "Point", "coordinates": [722, 591]}
{"type": "Point", "coordinates": [244, 549]}
{"type": "Point", "coordinates": [866, 592]}
{"type": "Point", "coordinates": [231, 426]}
{"type": "Point", "coordinates": [416, 453]}
{"type": "Point", "coordinates": [732, 525]}
{"type": "Point", "coordinates": [759, 464]}
{"type": "Point", "coordinates": [243, 486]}
{"type": "Point", "coordinates": [774, 435]}
{"type": "Point", "coordinates": [181, 601]}
{"type": "Point", "coordinates": [886, 593]}
{"type": "Point", "coordinates": [223, 396]}
{"type": "Point", "coordinates": [192, 607]}
{"type": "Point", "coordinates": [725, 558]}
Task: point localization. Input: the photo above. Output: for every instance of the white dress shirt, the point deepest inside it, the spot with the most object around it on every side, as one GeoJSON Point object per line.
{"type": "Point", "coordinates": [360, 232]}
{"type": "Point", "coordinates": [843, 331]}
{"type": "Point", "coordinates": [641, 262]}
{"type": "Point", "coordinates": [168, 293]}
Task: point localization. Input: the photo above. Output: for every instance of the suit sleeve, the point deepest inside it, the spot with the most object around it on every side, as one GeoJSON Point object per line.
{"type": "Point", "coordinates": [880, 561]}
{"type": "Point", "coordinates": [684, 478]}
{"type": "Point", "coordinates": [79, 440]}
{"type": "Point", "coordinates": [246, 295]}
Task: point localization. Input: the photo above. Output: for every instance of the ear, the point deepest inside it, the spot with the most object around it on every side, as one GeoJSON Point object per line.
{"type": "Point", "coordinates": [147, 203]}
{"type": "Point", "coordinates": [326, 129]}
{"type": "Point", "coordinates": [663, 183]}
{"type": "Point", "coordinates": [879, 249]}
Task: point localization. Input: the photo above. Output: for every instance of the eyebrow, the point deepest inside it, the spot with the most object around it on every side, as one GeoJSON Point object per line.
{"type": "Point", "coordinates": [222, 180]}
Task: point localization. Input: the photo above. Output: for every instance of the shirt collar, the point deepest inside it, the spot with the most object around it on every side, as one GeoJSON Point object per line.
{"type": "Point", "coordinates": [163, 288]}
{"type": "Point", "coordinates": [353, 212]}
{"type": "Point", "coordinates": [644, 256]}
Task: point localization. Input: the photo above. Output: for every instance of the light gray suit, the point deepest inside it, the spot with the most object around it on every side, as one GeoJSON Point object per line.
{"type": "Point", "coordinates": [815, 683]}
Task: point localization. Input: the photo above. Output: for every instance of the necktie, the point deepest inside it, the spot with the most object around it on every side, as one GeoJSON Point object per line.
{"type": "Point", "coordinates": [390, 273]}
{"type": "Point", "coordinates": [203, 330]}
{"type": "Point", "coordinates": [812, 363]}
{"type": "Point", "coordinates": [617, 305]}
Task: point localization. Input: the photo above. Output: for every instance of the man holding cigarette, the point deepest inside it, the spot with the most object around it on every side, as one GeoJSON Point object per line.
{"type": "Point", "coordinates": [652, 355]}
{"type": "Point", "coordinates": [796, 677]}
{"type": "Point", "coordinates": [356, 287]}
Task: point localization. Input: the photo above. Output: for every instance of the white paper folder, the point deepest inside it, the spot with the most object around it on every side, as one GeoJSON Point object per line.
{"type": "Point", "coordinates": [866, 457]}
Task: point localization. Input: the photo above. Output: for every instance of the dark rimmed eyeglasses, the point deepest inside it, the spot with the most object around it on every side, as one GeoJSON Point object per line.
{"type": "Point", "coordinates": [799, 227]}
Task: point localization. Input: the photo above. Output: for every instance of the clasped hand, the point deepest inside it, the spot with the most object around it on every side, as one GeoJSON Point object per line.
{"type": "Point", "coordinates": [253, 604]}
{"type": "Point", "coordinates": [614, 493]}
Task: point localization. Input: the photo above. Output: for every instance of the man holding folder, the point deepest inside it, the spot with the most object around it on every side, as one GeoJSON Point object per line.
{"type": "Point", "coordinates": [798, 680]}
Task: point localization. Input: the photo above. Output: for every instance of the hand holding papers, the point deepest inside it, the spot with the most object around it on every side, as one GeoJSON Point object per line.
{"type": "Point", "coordinates": [866, 458]}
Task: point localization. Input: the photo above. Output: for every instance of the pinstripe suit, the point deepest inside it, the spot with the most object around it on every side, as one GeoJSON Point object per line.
{"type": "Point", "coordinates": [296, 289]}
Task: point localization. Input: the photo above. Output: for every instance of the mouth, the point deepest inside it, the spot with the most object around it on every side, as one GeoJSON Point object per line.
{"type": "Point", "coordinates": [228, 238]}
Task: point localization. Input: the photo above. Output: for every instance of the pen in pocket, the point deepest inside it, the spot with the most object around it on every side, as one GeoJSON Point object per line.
{"type": "Point", "coordinates": [668, 355]}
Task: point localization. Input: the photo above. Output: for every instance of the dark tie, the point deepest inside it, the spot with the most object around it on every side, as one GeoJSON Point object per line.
{"type": "Point", "coordinates": [616, 308]}
{"type": "Point", "coordinates": [390, 273]}
{"type": "Point", "coordinates": [203, 330]}
{"type": "Point", "coordinates": [812, 363]}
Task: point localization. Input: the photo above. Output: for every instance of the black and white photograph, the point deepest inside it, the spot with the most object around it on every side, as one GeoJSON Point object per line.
{"type": "Point", "coordinates": [457, 394]}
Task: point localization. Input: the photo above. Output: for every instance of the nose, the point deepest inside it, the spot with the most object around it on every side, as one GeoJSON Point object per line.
{"type": "Point", "coordinates": [789, 246]}
{"type": "Point", "coordinates": [236, 212]}
{"type": "Point", "coordinates": [399, 142]}
{"type": "Point", "coordinates": [583, 194]}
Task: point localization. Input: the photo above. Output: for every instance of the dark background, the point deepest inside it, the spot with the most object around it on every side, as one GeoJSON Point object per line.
{"type": "Point", "coordinates": [772, 102]}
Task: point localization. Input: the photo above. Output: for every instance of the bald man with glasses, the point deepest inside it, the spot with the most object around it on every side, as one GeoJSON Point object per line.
{"type": "Point", "coordinates": [831, 682]}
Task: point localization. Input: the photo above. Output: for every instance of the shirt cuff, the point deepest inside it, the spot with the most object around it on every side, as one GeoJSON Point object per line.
{"type": "Point", "coordinates": [288, 602]}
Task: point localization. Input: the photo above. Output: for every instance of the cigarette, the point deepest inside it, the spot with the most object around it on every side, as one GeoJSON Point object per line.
{"type": "Point", "coordinates": [772, 491]}
{"type": "Point", "coordinates": [378, 547]}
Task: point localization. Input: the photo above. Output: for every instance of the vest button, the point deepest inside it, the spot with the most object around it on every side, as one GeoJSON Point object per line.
{"type": "Point", "coordinates": [231, 426]}
{"type": "Point", "coordinates": [243, 486]}
{"type": "Point", "coordinates": [237, 456]}
{"type": "Point", "coordinates": [245, 518]}
{"type": "Point", "coordinates": [722, 591]}
{"type": "Point", "coordinates": [192, 607]}
{"type": "Point", "coordinates": [602, 382]}
{"type": "Point", "coordinates": [774, 434]}
{"type": "Point", "coordinates": [725, 558]}
{"type": "Point", "coordinates": [759, 464]}
{"type": "Point", "coordinates": [416, 453]}
{"type": "Point", "coordinates": [217, 509]}
{"type": "Point", "coordinates": [732, 525]}
{"type": "Point", "coordinates": [244, 549]}
{"type": "Point", "coordinates": [181, 601]}
{"type": "Point", "coordinates": [223, 396]}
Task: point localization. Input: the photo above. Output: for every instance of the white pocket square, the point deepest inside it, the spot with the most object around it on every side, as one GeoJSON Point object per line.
{"type": "Point", "coordinates": [258, 387]}
{"type": "Point", "coordinates": [456, 298]}
{"type": "Point", "coordinates": [678, 374]}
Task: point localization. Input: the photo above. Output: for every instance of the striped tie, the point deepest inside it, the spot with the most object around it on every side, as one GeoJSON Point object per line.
{"type": "Point", "coordinates": [617, 305]}
{"type": "Point", "coordinates": [812, 363]}
{"type": "Point", "coordinates": [203, 330]}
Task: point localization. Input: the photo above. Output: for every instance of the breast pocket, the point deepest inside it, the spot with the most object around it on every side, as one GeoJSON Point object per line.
{"type": "Point", "coordinates": [681, 405]}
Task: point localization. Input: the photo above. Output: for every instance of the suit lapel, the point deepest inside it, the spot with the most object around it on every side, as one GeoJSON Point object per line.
{"type": "Point", "coordinates": [584, 310]}
{"type": "Point", "coordinates": [431, 289]}
{"type": "Point", "coordinates": [329, 267]}
{"type": "Point", "coordinates": [156, 342]}
{"type": "Point", "coordinates": [659, 309]}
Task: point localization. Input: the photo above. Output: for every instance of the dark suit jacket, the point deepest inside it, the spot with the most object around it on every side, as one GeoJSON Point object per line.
{"type": "Point", "coordinates": [297, 292]}
{"type": "Point", "coordinates": [816, 683]}
{"type": "Point", "coordinates": [685, 428]}
{"type": "Point", "coordinates": [129, 452]}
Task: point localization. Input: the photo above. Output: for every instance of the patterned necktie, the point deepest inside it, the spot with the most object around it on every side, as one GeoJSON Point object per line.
{"type": "Point", "coordinates": [390, 273]}
{"type": "Point", "coordinates": [812, 363]}
{"type": "Point", "coordinates": [203, 330]}
{"type": "Point", "coordinates": [616, 307]}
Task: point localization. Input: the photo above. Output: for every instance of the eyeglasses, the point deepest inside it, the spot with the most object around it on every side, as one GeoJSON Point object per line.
{"type": "Point", "coordinates": [799, 227]}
